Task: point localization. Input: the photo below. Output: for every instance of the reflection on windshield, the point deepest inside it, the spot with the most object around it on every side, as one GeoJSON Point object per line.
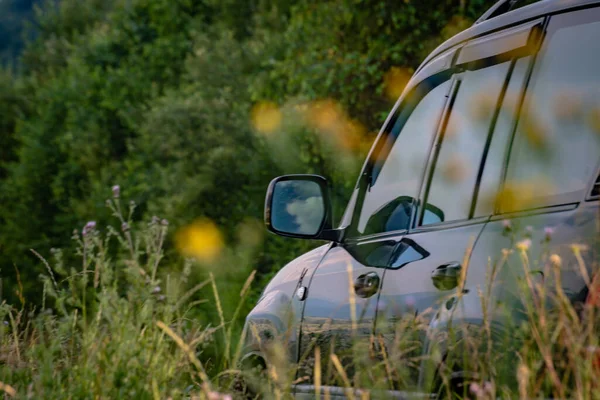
{"type": "Point", "coordinates": [382, 210]}
{"type": "Point", "coordinates": [395, 216]}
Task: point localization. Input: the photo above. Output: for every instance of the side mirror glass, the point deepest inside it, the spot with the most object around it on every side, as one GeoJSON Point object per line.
{"type": "Point", "coordinates": [298, 206]}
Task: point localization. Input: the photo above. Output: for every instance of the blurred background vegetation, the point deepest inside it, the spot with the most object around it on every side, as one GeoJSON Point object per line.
{"type": "Point", "coordinates": [192, 107]}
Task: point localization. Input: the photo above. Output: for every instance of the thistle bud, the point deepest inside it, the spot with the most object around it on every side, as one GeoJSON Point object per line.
{"type": "Point", "coordinates": [88, 228]}
{"type": "Point", "coordinates": [548, 232]}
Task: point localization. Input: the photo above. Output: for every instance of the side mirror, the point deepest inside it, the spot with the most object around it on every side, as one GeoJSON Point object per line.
{"type": "Point", "coordinates": [299, 206]}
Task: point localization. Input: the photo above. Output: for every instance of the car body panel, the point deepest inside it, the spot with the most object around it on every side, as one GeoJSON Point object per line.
{"type": "Point", "coordinates": [277, 315]}
{"type": "Point", "coordinates": [510, 249]}
{"type": "Point", "coordinates": [336, 312]}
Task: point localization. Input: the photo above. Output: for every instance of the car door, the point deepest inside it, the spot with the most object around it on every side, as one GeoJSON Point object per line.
{"type": "Point", "coordinates": [426, 269]}
{"type": "Point", "coordinates": [546, 216]}
{"type": "Point", "coordinates": [341, 302]}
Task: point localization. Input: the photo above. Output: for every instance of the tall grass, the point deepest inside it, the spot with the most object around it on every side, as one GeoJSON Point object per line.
{"type": "Point", "coordinates": [117, 326]}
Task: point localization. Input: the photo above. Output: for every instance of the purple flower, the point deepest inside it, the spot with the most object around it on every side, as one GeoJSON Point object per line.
{"type": "Point", "coordinates": [124, 226]}
{"type": "Point", "coordinates": [88, 228]}
{"type": "Point", "coordinates": [476, 390]}
{"type": "Point", "coordinates": [116, 189]}
{"type": "Point", "coordinates": [507, 225]}
{"type": "Point", "coordinates": [218, 396]}
{"type": "Point", "coordinates": [548, 232]}
{"type": "Point", "coordinates": [156, 290]}
{"type": "Point", "coordinates": [487, 387]}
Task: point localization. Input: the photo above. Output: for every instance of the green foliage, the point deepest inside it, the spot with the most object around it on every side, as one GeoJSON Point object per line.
{"type": "Point", "coordinates": [118, 326]}
{"type": "Point", "coordinates": [157, 96]}
{"type": "Point", "coordinates": [9, 108]}
{"type": "Point", "coordinates": [342, 49]}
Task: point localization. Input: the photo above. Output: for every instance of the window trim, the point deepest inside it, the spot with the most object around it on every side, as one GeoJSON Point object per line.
{"type": "Point", "coordinates": [594, 181]}
{"type": "Point", "coordinates": [417, 218]}
{"type": "Point", "coordinates": [517, 116]}
{"type": "Point", "coordinates": [443, 64]}
{"type": "Point", "coordinates": [439, 142]}
{"type": "Point", "coordinates": [571, 198]}
{"type": "Point", "coordinates": [535, 211]}
{"type": "Point", "coordinates": [531, 48]}
{"type": "Point", "coordinates": [490, 135]}
{"type": "Point", "coordinates": [522, 38]}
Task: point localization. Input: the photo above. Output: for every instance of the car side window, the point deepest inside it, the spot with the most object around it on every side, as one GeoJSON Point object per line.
{"type": "Point", "coordinates": [395, 182]}
{"type": "Point", "coordinates": [491, 179]}
{"type": "Point", "coordinates": [555, 150]}
{"type": "Point", "coordinates": [461, 145]}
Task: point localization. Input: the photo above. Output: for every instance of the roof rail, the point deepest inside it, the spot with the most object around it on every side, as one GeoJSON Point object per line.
{"type": "Point", "coordinates": [501, 7]}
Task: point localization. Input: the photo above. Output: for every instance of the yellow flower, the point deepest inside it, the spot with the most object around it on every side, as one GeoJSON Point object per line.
{"type": "Point", "coordinates": [333, 123]}
{"type": "Point", "coordinates": [594, 120]}
{"type": "Point", "coordinates": [266, 117]}
{"type": "Point", "coordinates": [457, 24]}
{"type": "Point", "coordinates": [202, 240]}
{"type": "Point", "coordinates": [326, 115]}
{"type": "Point", "coordinates": [568, 106]}
{"type": "Point", "coordinates": [394, 82]}
{"type": "Point", "coordinates": [455, 169]}
{"type": "Point", "coordinates": [520, 195]}
{"type": "Point", "coordinates": [483, 104]}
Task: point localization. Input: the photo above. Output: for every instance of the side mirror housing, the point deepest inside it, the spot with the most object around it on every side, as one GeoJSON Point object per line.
{"type": "Point", "coordinates": [299, 206]}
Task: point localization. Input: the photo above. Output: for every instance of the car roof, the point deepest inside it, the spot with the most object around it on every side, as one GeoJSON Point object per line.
{"type": "Point", "coordinates": [511, 18]}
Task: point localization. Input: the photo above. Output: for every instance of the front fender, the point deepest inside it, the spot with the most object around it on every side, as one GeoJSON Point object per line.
{"type": "Point", "coordinates": [274, 322]}
{"type": "Point", "coordinates": [268, 323]}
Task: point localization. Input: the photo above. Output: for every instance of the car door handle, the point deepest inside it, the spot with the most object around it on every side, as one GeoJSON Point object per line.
{"type": "Point", "coordinates": [446, 276]}
{"type": "Point", "coordinates": [367, 285]}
